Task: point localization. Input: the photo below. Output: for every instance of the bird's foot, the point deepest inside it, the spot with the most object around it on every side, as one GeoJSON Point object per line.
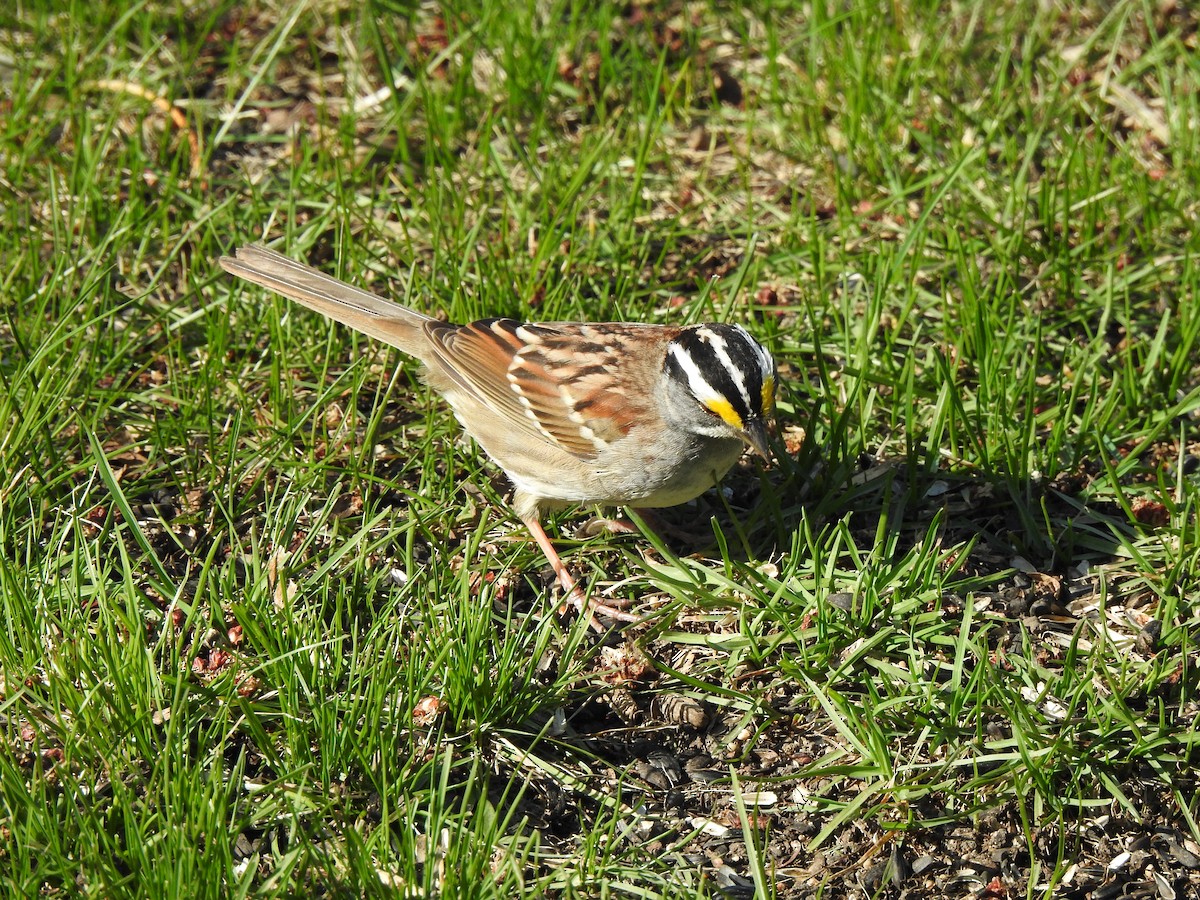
{"type": "Point", "coordinates": [599, 524]}
{"type": "Point", "coordinates": [575, 594]}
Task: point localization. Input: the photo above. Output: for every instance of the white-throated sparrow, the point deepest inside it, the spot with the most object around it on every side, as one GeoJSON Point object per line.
{"type": "Point", "coordinates": [610, 413]}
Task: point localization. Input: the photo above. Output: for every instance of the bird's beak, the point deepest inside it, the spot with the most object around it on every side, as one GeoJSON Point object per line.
{"type": "Point", "coordinates": [757, 437]}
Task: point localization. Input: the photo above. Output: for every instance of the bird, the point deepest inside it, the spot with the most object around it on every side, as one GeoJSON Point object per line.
{"type": "Point", "coordinates": [611, 414]}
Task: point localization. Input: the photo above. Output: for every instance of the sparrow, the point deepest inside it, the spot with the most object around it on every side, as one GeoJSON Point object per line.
{"type": "Point", "coordinates": [614, 414]}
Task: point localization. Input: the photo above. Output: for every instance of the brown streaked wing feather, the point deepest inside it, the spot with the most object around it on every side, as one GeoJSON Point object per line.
{"type": "Point", "coordinates": [478, 357]}
{"type": "Point", "coordinates": [536, 375]}
{"type": "Point", "coordinates": [500, 367]}
{"type": "Point", "coordinates": [592, 397]}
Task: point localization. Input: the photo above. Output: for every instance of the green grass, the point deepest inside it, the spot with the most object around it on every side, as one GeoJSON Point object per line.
{"type": "Point", "coordinates": [268, 627]}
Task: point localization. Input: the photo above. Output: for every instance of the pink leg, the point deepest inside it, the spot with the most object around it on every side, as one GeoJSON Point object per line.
{"type": "Point", "coordinates": [574, 593]}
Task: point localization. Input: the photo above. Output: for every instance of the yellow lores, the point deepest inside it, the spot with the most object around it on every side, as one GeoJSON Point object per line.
{"type": "Point", "coordinates": [721, 407]}
{"type": "Point", "coordinates": [768, 396]}
{"type": "Point", "coordinates": [725, 410]}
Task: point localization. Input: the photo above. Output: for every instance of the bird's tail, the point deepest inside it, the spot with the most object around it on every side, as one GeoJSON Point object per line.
{"type": "Point", "coordinates": [372, 315]}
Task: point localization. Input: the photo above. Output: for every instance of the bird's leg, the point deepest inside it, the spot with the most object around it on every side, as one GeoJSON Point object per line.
{"type": "Point", "coordinates": [574, 592]}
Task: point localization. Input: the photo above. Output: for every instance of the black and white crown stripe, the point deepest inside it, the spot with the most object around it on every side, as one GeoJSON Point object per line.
{"type": "Point", "coordinates": [722, 364]}
{"type": "Point", "coordinates": [721, 349]}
